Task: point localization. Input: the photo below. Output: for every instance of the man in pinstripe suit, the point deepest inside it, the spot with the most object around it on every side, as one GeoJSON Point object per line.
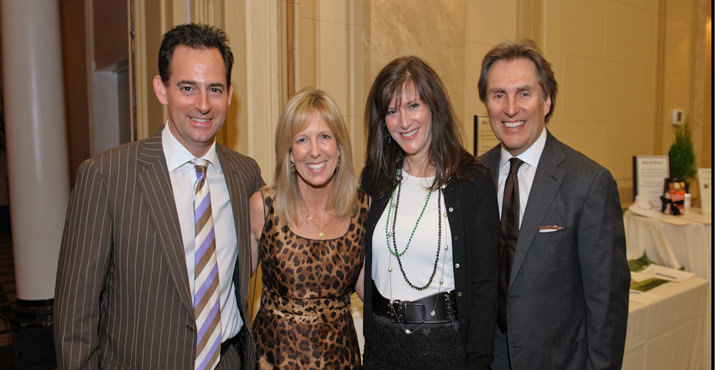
{"type": "Point", "coordinates": [125, 278]}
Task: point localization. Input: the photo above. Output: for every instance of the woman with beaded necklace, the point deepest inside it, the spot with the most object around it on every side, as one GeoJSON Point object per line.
{"type": "Point", "coordinates": [431, 243]}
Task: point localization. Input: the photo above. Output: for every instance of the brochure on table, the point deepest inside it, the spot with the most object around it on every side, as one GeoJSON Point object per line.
{"type": "Point", "coordinates": [654, 271]}
{"type": "Point", "coordinates": [645, 275]}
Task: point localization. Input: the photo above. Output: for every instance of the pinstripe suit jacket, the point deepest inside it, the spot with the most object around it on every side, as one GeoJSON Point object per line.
{"type": "Point", "coordinates": [122, 297]}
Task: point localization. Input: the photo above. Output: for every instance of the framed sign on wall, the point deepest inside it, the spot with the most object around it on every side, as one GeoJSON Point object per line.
{"type": "Point", "coordinates": [484, 138]}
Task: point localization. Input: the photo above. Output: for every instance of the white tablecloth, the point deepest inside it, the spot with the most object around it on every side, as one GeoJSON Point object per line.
{"type": "Point", "coordinates": [668, 332]}
{"type": "Point", "coordinates": [672, 241]}
{"type": "Point", "coordinates": [676, 241]}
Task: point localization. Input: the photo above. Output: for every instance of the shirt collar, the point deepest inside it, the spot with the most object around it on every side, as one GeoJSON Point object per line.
{"type": "Point", "coordinates": [177, 155]}
{"type": "Point", "coordinates": [530, 156]}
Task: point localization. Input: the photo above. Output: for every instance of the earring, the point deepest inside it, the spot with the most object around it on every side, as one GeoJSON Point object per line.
{"type": "Point", "coordinates": [337, 166]}
{"type": "Point", "coordinates": [291, 165]}
{"type": "Point", "coordinates": [389, 139]}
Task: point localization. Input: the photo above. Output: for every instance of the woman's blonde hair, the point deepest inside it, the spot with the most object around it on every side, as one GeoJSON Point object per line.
{"type": "Point", "coordinates": [296, 115]}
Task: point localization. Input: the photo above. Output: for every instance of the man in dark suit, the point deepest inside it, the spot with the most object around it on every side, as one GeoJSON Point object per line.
{"type": "Point", "coordinates": [126, 287]}
{"type": "Point", "coordinates": [563, 256]}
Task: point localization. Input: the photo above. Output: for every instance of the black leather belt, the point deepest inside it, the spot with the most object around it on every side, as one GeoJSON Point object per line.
{"type": "Point", "coordinates": [436, 308]}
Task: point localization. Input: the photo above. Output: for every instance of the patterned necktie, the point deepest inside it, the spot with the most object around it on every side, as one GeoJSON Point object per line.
{"type": "Point", "coordinates": [508, 236]}
{"type": "Point", "coordinates": [207, 312]}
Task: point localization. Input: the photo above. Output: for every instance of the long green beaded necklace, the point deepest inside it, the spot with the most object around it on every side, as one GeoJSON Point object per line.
{"type": "Point", "coordinates": [398, 178]}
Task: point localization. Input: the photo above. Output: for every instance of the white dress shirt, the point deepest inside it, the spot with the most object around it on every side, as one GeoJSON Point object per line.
{"type": "Point", "coordinates": [526, 173]}
{"type": "Point", "coordinates": [183, 177]}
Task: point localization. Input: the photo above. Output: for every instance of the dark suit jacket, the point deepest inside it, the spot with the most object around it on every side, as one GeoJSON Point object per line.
{"type": "Point", "coordinates": [568, 293]}
{"type": "Point", "coordinates": [122, 297]}
{"type": "Point", "coordinates": [474, 221]}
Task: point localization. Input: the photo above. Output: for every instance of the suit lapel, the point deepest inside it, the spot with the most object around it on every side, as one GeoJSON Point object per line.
{"type": "Point", "coordinates": [153, 179]}
{"type": "Point", "coordinates": [491, 160]}
{"type": "Point", "coordinates": [545, 187]}
{"type": "Point", "coordinates": [229, 168]}
{"type": "Point", "coordinates": [232, 175]}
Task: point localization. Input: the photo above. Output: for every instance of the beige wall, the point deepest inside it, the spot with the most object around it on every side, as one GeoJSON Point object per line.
{"type": "Point", "coordinates": [435, 31]}
{"type": "Point", "coordinates": [605, 55]}
{"type": "Point", "coordinates": [328, 46]}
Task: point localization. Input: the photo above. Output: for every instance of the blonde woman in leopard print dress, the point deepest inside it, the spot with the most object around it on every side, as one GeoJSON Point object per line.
{"type": "Point", "coordinates": [307, 234]}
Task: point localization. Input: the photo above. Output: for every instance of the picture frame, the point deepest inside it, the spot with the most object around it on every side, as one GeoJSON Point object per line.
{"type": "Point", "coordinates": [484, 138]}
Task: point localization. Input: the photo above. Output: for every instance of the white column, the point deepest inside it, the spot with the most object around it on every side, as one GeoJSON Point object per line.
{"type": "Point", "coordinates": [36, 142]}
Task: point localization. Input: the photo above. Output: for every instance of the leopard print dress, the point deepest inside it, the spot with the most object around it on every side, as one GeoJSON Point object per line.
{"type": "Point", "coordinates": [304, 321]}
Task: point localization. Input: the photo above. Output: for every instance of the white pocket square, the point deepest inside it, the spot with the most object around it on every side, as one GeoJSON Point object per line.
{"type": "Point", "coordinates": [550, 228]}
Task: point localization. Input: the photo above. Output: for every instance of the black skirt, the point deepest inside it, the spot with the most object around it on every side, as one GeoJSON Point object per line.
{"type": "Point", "coordinates": [427, 346]}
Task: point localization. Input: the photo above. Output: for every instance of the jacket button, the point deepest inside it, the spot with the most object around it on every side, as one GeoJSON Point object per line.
{"type": "Point", "coordinates": [459, 294]}
{"type": "Point", "coordinates": [456, 265]}
{"type": "Point", "coordinates": [451, 209]}
{"type": "Point", "coordinates": [189, 327]}
{"type": "Point", "coordinates": [456, 237]}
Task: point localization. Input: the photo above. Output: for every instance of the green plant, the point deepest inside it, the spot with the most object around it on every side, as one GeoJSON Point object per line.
{"type": "Point", "coordinates": [682, 154]}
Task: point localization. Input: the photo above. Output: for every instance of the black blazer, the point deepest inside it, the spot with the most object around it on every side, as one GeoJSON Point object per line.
{"type": "Point", "coordinates": [474, 221]}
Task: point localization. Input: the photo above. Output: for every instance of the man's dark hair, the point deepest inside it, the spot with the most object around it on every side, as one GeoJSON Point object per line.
{"type": "Point", "coordinates": [523, 49]}
{"type": "Point", "coordinates": [195, 36]}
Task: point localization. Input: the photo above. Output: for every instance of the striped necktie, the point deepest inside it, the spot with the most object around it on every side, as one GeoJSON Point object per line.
{"type": "Point", "coordinates": [207, 312]}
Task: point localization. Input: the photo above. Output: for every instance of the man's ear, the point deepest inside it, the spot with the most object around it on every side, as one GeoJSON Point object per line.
{"type": "Point", "coordinates": [547, 105]}
{"type": "Point", "coordinates": [159, 89]}
{"type": "Point", "coordinates": [230, 93]}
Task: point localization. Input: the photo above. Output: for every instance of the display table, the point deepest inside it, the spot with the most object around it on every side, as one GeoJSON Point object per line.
{"type": "Point", "coordinates": [675, 241]}
{"type": "Point", "coordinates": [668, 332]}
{"type": "Point", "coordinates": [672, 241]}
